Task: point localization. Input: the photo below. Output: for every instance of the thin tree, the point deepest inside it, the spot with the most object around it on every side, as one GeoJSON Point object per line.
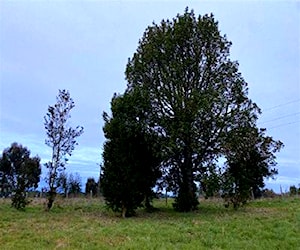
{"type": "Point", "coordinates": [61, 137]}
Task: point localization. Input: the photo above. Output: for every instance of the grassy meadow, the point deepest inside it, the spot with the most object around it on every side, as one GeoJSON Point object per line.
{"type": "Point", "coordinates": [86, 224]}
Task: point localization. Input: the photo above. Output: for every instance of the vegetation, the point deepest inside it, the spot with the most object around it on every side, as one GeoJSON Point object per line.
{"type": "Point", "coordinates": [74, 184]}
{"type": "Point", "coordinates": [18, 174]}
{"type": "Point", "coordinates": [130, 168]}
{"type": "Point", "coordinates": [69, 185]}
{"type": "Point", "coordinates": [294, 190]}
{"type": "Point", "coordinates": [61, 138]}
{"type": "Point", "coordinates": [186, 107]}
{"type": "Point", "coordinates": [185, 92]}
{"type": "Point", "coordinates": [91, 187]}
{"type": "Point", "coordinates": [250, 158]}
{"type": "Point", "coordinates": [86, 224]}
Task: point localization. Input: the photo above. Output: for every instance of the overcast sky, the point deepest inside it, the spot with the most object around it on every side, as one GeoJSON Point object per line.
{"type": "Point", "coordinates": [83, 46]}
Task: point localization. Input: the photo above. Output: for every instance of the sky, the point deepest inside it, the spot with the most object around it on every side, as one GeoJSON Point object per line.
{"type": "Point", "coordinates": [83, 46]}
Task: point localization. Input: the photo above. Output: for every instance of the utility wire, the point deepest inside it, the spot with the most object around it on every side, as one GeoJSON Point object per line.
{"type": "Point", "coordinates": [284, 124]}
{"type": "Point", "coordinates": [280, 105]}
{"type": "Point", "coordinates": [279, 118]}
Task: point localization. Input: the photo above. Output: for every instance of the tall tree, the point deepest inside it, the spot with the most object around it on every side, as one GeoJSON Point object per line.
{"type": "Point", "coordinates": [131, 161]}
{"type": "Point", "coordinates": [19, 172]}
{"type": "Point", "coordinates": [196, 95]}
{"type": "Point", "coordinates": [61, 137]}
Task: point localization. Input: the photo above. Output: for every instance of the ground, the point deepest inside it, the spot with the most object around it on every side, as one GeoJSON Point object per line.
{"type": "Point", "coordinates": [86, 224]}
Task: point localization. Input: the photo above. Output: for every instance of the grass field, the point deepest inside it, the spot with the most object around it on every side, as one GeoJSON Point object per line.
{"type": "Point", "coordinates": [86, 224]}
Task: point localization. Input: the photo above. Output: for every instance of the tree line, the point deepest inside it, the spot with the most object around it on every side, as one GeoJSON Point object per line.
{"type": "Point", "coordinates": [185, 124]}
{"type": "Point", "coordinates": [20, 175]}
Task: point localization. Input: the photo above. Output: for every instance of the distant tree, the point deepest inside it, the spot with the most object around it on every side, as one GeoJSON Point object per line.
{"type": "Point", "coordinates": [19, 173]}
{"type": "Point", "coordinates": [195, 92]}
{"type": "Point", "coordinates": [61, 138]}
{"type": "Point", "coordinates": [268, 193]}
{"type": "Point", "coordinates": [74, 184]}
{"type": "Point", "coordinates": [69, 184]}
{"type": "Point", "coordinates": [91, 187]}
{"type": "Point", "coordinates": [293, 190]}
{"type": "Point", "coordinates": [131, 158]}
{"type": "Point", "coordinates": [250, 158]}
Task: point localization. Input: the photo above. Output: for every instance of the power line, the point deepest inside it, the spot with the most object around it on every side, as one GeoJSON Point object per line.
{"type": "Point", "coordinates": [284, 124]}
{"type": "Point", "coordinates": [281, 105]}
{"type": "Point", "coordinates": [279, 118]}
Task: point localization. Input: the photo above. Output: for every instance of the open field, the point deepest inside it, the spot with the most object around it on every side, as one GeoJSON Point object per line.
{"type": "Point", "coordinates": [86, 224]}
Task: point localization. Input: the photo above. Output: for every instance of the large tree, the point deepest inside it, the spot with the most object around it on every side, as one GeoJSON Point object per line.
{"type": "Point", "coordinates": [61, 137]}
{"type": "Point", "coordinates": [196, 95]}
{"type": "Point", "coordinates": [130, 167]}
{"type": "Point", "coordinates": [19, 173]}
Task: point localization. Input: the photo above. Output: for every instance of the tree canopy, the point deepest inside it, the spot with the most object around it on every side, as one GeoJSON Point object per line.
{"type": "Point", "coordinates": [19, 173]}
{"type": "Point", "coordinates": [91, 187]}
{"type": "Point", "coordinates": [196, 94]}
{"type": "Point", "coordinates": [250, 158]}
{"type": "Point", "coordinates": [131, 161]}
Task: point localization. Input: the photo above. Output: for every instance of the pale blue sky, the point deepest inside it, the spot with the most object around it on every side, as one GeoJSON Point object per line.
{"type": "Point", "coordinates": [83, 46]}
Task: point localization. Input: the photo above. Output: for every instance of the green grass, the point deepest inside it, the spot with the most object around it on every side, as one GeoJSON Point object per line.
{"type": "Point", "coordinates": [86, 224]}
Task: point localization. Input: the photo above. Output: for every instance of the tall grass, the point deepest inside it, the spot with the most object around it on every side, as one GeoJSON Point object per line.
{"type": "Point", "coordinates": [86, 224]}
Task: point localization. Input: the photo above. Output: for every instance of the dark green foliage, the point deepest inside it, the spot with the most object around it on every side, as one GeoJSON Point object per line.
{"type": "Point", "coordinates": [61, 138]}
{"type": "Point", "coordinates": [74, 184]}
{"type": "Point", "coordinates": [185, 92]}
{"type": "Point", "coordinates": [293, 190]}
{"type": "Point", "coordinates": [250, 159]}
{"type": "Point", "coordinates": [196, 95]}
{"type": "Point", "coordinates": [19, 173]}
{"type": "Point", "coordinates": [91, 187]}
{"type": "Point", "coordinates": [130, 155]}
{"type": "Point", "coordinates": [210, 181]}
{"type": "Point", "coordinates": [68, 185]}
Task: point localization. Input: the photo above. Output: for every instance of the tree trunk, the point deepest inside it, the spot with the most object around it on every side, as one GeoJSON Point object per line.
{"type": "Point", "coordinates": [166, 197]}
{"type": "Point", "coordinates": [51, 199]}
{"type": "Point", "coordinates": [124, 210]}
{"type": "Point", "coordinates": [186, 200]}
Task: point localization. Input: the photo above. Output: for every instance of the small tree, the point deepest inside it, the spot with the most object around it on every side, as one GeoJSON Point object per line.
{"type": "Point", "coordinates": [61, 138]}
{"type": "Point", "coordinates": [250, 158]}
{"type": "Point", "coordinates": [293, 190]}
{"type": "Point", "coordinates": [74, 184]}
{"type": "Point", "coordinates": [18, 173]}
{"type": "Point", "coordinates": [91, 187]}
